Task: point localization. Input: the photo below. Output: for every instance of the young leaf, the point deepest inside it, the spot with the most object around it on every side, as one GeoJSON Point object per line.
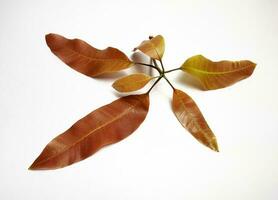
{"type": "Point", "coordinates": [106, 125]}
{"type": "Point", "coordinates": [191, 118]}
{"type": "Point", "coordinates": [154, 47]}
{"type": "Point", "coordinates": [215, 75]}
{"type": "Point", "coordinates": [86, 59]}
{"type": "Point", "coordinates": [131, 82]}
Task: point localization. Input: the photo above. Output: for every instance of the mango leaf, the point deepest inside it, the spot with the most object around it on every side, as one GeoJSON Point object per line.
{"type": "Point", "coordinates": [154, 47]}
{"type": "Point", "coordinates": [191, 118]}
{"type": "Point", "coordinates": [215, 75]}
{"type": "Point", "coordinates": [131, 82]}
{"type": "Point", "coordinates": [86, 59]}
{"type": "Point", "coordinates": [106, 125]}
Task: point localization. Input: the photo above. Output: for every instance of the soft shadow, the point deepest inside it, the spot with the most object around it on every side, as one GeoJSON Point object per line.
{"type": "Point", "coordinates": [119, 95]}
{"type": "Point", "coordinates": [170, 100]}
{"type": "Point", "coordinates": [123, 94]}
{"type": "Point", "coordinates": [109, 76]}
{"type": "Point", "coordinates": [190, 81]}
{"type": "Point", "coordinates": [138, 57]}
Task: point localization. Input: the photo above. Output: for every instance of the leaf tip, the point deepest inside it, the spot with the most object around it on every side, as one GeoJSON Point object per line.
{"type": "Point", "coordinates": [48, 37]}
{"type": "Point", "coordinates": [254, 65]}
{"type": "Point", "coordinates": [213, 145]}
{"type": "Point", "coordinates": [114, 85]}
{"type": "Point", "coordinates": [51, 39]}
{"type": "Point", "coordinates": [32, 167]}
{"type": "Point", "coordinates": [38, 165]}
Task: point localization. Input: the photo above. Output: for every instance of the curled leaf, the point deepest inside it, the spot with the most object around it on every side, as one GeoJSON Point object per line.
{"type": "Point", "coordinates": [215, 75]}
{"type": "Point", "coordinates": [191, 118]}
{"type": "Point", "coordinates": [86, 59]}
{"type": "Point", "coordinates": [131, 82]}
{"type": "Point", "coordinates": [106, 125]}
{"type": "Point", "coordinates": [154, 47]}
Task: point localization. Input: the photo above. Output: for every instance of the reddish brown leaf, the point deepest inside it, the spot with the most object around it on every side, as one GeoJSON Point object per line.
{"type": "Point", "coordinates": [215, 75]}
{"type": "Point", "coordinates": [154, 47]}
{"type": "Point", "coordinates": [131, 82]}
{"type": "Point", "coordinates": [86, 59]}
{"type": "Point", "coordinates": [191, 118]}
{"type": "Point", "coordinates": [106, 125]}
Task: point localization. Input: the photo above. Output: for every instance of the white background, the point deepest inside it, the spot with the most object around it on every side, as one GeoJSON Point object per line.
{"type": "Point", "coordinates": [40, 97]}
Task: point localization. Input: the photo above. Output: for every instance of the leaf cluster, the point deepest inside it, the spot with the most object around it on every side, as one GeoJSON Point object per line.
{"type": "Point", "coordinates": [115, 121]}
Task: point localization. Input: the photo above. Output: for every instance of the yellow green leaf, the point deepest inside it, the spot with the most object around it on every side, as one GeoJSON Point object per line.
{"type": "Point", "coordinates": [131, 82]}
{"type": "Point", "coordinates": [215, 75]}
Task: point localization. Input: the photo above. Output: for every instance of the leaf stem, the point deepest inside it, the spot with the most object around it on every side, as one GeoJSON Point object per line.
{"type": "Point", "coordinates": [145, 64]}
{"type": "Point", "coordinates": [161, 63]}
{"type": "Point", "coordinates": [168, 82]}
{"type": "Point", "coordinates": [161, 72]}
{"type": "Point", "coordinates": [155, 64]}
{"type": "Point", "coordinates": [149, 65]}
{"type": "Point", "coordinates": [154, 84]}
{"type": "Point", "coordinates": [171, 70]}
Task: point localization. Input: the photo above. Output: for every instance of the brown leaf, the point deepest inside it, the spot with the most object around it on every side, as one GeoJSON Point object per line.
{"type": "Point", "coordinates": [86, 59]}
{"type": "Point", "coordinates": [106, 125]}
{"type": "Point", "coordinates": [215, 75]}
{"type": "Point", "coordinates": [154, 47]}
{"type": "Point", "coordinates": [131, 82]}
{"type": "Point", "coordinates": [191, 118]}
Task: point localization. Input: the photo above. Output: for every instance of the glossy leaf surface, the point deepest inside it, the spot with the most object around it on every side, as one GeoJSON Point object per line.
{"type": "Point", "coordinates": [154, 47]}
{"type": "Point", "coordinates": [215, 75]}
{"type": "Point", "coordinates": [131, 82]}
{"type": "Point", "coordinates": [106, 125]}
{"type": "Point", "coordinates": [191, 118]}
{"type": "Point", "coordinates": [86, 59]}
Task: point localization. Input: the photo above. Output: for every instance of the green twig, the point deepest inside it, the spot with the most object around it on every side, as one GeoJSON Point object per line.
{"type": "Point", "coordinates": [154, 84]}
{"type": "Point", "coordinates": [156, 65]}
{"type": "Point", "coordinates": [168, 82]}
{"type": "Point", "coordinates": [149, 65]}
{"type": "Point", "coordinates": [168, 71]}
{"type": "Point", "coordinates": [161, 63]}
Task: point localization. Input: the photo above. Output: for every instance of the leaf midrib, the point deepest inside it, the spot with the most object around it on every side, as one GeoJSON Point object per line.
{"type": "Point", "coordinates": [146, 79]}
{"type": "Point", "coordinates": [155, 50]}
{"type": "Point", "coordinates": [93, 58]}
{"type": "Point", "coordinates": [193, 118]}
{"type": "Point", "coordinates": [215, 73]}
{"type": "Point", "coordinates": [91, 132]}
